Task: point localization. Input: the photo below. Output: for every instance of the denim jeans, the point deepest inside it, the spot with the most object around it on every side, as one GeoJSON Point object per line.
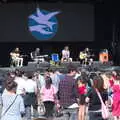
{"type": "Point", "coordinates": [28, 112]}
{"type": "Point", "coordinates": [95, 116]}
{"type": "Point", "coordinates": [49, 106]}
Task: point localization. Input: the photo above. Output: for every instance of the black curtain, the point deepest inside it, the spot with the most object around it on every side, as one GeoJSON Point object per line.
{"type": "Point", "coordinates": [116, 35]}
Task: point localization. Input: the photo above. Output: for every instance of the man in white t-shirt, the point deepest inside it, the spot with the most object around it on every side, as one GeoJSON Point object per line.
{"type": "Point", "coordinates": [20, 84]}
{"type": "Point", "coordinates": [30, 97]}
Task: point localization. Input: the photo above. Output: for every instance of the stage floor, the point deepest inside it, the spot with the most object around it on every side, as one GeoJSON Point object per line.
{"type": "Point", "coordinates": [96, 66]}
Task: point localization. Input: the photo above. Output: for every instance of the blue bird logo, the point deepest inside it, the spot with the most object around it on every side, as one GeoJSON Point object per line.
{"type": "Point", "coordinates": [43, 24]}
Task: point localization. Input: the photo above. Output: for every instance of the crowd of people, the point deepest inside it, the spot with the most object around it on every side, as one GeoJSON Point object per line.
{"type": "Point", "coordinates": [71, 96]}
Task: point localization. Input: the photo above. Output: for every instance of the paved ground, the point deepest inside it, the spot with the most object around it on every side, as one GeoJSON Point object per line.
{"type": "Point", "coordinates": [58, 118]}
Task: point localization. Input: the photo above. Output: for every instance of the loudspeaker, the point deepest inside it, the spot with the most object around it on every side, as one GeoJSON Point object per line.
{"type": "Point", "coordinates": [103, 57]}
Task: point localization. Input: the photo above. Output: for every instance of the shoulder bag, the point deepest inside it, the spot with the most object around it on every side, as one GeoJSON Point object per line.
{"type": "Point", "coordinates": [105, 111]}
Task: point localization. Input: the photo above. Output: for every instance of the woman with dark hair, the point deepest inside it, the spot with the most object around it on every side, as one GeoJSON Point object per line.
{"type": "Point", "coordinates": [13, 105]}
{"type": "Point", "coordinates": [94, 107]}
{"type": "Point", "coordinates": [82, 90]}
{"type": "Point", "coordinates": [48, 95]}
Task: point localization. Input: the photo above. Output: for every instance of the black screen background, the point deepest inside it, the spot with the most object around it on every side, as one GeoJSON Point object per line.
{"type": "Point", "coordinates": [76, 21]}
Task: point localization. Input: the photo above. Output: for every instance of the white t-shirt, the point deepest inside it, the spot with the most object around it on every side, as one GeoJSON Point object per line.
{"type": "Point", "coordinates": [30, 86]}
{"type": "Point", "coordinates": [41, 80]}
{"type": "Point", "coordinates": [65, 53]}
{"type": "Point", "coordinates": [20, 85]}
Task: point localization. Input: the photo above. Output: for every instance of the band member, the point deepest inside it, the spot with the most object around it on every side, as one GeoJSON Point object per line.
{"type": "Point", "coordinates": [16, 57]}
{"type": "Point", "coordinates": [85, 57]}
{"type": "Point", "coordinates": [87, 51]}
{"type": "Point", "coordinates": [35, 55]}
{"type": "Point", "coordinates": [66, 55]}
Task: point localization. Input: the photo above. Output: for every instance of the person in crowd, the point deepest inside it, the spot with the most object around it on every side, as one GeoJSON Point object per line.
{"type": "Point", "coordinates": [20, 83]}
{"type": "Point", "coordinates": [109, 84]}
{"type": "Point", "coordinates": [94, 108]}
{"type": "Point", "coordinates": [13, 105]}
{"type": "Point", "coordinates": [110, 79]}
{"type": "Point", "coordinates": [78, 74]}
{"type": "Point", "coordinates": [8, 76]}
{"type": "Point", "coordinates": [114, 75]}
{"type": "Point", "coordinates": [55, 78]}
{"type": "Point", "coordinates": [105, 80]}
{"type": "Point", "coordinates": [49, 97]}
{"type": "Point", "coordinates": [39, 78]}
{"type": "Point", "coordinates": [68, 95]}
{"type": "Point", "coordinates": [30, 96]}
{"type": "Point", "coordinates": [116, 99]}
{"type": "Point", "coordinates": [66, 55]}
{"type": "Point", "coordinates": [16, 57]}
{"type": "Point", "coordinates": [82, 90]}
{"type": "Point", "coordinates": [60, 74]}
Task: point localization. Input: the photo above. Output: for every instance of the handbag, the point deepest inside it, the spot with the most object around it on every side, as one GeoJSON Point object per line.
{"type": "Point", "coordinates": [58, 112]}
{"type": "Point", "coordinates": [41, 108]}
{"type": "Point", "coordinates": [105, 111]}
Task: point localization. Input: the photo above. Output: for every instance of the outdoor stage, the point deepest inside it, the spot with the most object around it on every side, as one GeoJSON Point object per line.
{"type": "Point", "coordinates": [62, 67]}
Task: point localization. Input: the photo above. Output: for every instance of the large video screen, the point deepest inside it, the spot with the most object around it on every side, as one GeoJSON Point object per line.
{"type": "Point", "coordinates": [45, 21]}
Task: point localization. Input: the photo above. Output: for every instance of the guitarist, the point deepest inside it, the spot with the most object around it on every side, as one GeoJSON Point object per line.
{"type": "Point", "coordinates": [16, 58]}
{"type": "Point", "coordinates": [84, 56]}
